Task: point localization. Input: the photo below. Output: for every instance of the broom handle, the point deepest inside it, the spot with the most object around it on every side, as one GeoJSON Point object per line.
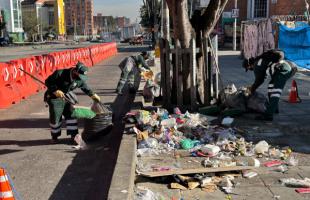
{"type": "Point", "coordinates": [35, 78]}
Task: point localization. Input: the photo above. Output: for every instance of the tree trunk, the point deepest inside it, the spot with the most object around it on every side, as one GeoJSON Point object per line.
{"type": "Point", "coordinates": [199, 27]}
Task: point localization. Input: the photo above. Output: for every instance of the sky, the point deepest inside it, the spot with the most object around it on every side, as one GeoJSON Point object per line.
{"type": "Point", "coordinates": [128, 8]}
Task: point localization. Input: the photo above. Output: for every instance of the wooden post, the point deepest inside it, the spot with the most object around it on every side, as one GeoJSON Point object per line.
{"type": "Point", "coordinates": [163, 84]}
{"type": "Point", "coordinates": [178, 73]}
{"type": "Point", "coordinates": [207, 71]}
{"type": "Point", "coordinates": [193, 74]}
{"type": "Point", "coordinates": [167, 73]}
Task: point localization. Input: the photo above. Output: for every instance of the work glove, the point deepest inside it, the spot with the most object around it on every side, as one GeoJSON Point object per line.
{"type": "Point", "coordinates": [95, 97]}
{"type": "Point", "coordinates": [59, 94]}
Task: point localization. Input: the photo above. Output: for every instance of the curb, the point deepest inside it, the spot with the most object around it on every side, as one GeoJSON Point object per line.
{"type": "Point", "coordinates": [122, 184]}
{"type": "Point", "coordinates": [123, 179]}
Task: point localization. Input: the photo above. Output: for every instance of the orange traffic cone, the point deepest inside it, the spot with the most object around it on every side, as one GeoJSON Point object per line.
{"type": "Point", "coordinates": [293, 96]}
{"type": "Point", "coordinates": [6, 192]}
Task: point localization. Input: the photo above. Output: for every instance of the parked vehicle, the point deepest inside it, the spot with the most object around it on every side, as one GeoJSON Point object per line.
{"type": "Point", "coordinates": [137, 40]}
{"type": "Point", "coordinates": [4, 41]}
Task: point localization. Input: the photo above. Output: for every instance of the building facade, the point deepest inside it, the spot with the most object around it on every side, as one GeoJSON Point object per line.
{"type": "Point", "coordinates": [79, 17]}
{"type": "Point", "coordinates": [49, 14]}
{"type": "Point", "coordinates": [251, 9]}
{"type": "Point", "coordinates": [13, 17]}
{"type": "Point", "coordinates": [122, 21]}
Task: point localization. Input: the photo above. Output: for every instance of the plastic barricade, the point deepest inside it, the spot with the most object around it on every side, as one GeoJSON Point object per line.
{"type": "Point", "coordinates": [18, 77]}
{"type": "Point", "coordinates": [57, 60]}
{"type": "Point", "coordinates": [67, 59]}
{"type": "Point", "coordinates": [75, 56]}
{"type": "Point", "coordinates": [49, 64]}
{"type": "Point", "coordinates": [9, 93]}
{"type": "Point", "coordinates": [32, 86]}
{"type": "Point", "coordinates": [86, 57]}
{"type": "Point", "coordinates": [64, 59]}
{"type": "Point", "coordinates": [40, 70]}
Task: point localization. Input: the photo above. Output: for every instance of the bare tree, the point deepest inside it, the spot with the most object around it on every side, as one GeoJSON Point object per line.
{"type": "Point", "coordinates": [30, 24]}
{"type": "Point", "coordinates": [198, 26]}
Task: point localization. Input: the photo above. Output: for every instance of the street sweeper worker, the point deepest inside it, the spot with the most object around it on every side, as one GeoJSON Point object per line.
{"type": "Point", "coordinates": [59, 84]}
{"type": "Point", "coordinates": [131, 66]}
{"type": "Point", "coordinates": [280, 71]}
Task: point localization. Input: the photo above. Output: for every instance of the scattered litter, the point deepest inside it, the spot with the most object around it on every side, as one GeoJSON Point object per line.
{"type": "Point", "coordinates": [292, 182]}
{"type": "Point", "coordinates": [303, 190]}
{"type": "Point", "coordinates": [146, 194]}
{"type": "Point", "coordinates": [227, 121]}
{"type": "Point", "coordinates": [211, 150]}
{"type": "Point", "coordinates": [292, 161]}
{"type": "Point", "coordinates": [281, 168]}
{"type": "Point", "coordinates": [124, 191]}
{"type": "Point", "coordinates": [261, 147]}
{"type": "Point", "coordinates": [273, 163]}
{"type": "Point", "coordinates": [196, 154]}
{"type": "Point", "coordinates": [209, 188]}
{"type": "Point", "coordinates": [177, 186]}
{"type": "Point", "coordinates": [248, 161]}
{"type": "Point", "coordinates": [249, 174]}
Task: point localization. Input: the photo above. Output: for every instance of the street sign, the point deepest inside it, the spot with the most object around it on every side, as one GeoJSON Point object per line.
{"type": "Point", "coordinates": [235, 13]}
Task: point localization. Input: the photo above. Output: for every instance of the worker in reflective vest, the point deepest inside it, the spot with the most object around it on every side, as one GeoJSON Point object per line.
{"type": "Point", "coordinates": [131, 66]}
{"type": "Point", "coordinates": [280, 71]}
{"type": "Point", "coordinates": [58, 84]}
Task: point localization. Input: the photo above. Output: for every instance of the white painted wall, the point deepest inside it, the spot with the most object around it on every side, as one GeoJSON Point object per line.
{"type": "Point", "coordinates": [8, 6]}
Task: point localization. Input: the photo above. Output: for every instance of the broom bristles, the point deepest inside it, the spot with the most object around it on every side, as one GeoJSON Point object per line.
{"type": "Point", "coordinates": [83, 113]}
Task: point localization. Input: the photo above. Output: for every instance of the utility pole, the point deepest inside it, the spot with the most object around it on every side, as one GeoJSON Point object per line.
{"type": "Point", "coordinates": [235, 30]}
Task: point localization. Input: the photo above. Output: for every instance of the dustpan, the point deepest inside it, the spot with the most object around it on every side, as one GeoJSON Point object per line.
{"type": "Point", "coordinates": [82, 112]}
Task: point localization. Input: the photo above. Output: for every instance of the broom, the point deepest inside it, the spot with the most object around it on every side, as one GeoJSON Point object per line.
{"type": "Point", "coordinates": [79, 112]}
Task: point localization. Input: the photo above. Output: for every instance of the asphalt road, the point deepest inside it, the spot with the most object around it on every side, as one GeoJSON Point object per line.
{"type": "Point", "coordinates": [41, 170]}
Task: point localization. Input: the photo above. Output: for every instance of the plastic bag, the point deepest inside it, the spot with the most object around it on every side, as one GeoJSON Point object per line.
{"type": "Point", "coordinates": [257, 102]}
{"type": "Point", "coordinates": [150, 91]}
{"type": "Point", "coordinates": [236, 100]}
{"type": "Point", "coordinates": [148, 143]}
{"type": "Point", "coordinates": [262, 147]}
{"type": "Point", "coordinates": [99, 108]}
{"type": "Point", "coordinates": [146, 194]}
{"type": "Point", "coordinates": [143, 117]}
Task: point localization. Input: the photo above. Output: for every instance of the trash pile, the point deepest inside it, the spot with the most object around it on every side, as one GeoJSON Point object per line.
{"type": "Point", "coordinates": [195, 153]}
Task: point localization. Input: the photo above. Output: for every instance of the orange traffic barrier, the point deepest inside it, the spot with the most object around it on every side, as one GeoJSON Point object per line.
{"type": "Point", "coordinates": [293, 96]}
{"type": "Point", "coordinates": [9, 93]}
{"type": "Point", "coordinates": [31, 85]}
{"type": "Point", "coordinates": [6, 192]}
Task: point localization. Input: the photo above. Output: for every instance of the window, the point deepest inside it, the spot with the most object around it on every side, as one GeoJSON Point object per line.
{"type": "Point", "coordinates": [260, 8]}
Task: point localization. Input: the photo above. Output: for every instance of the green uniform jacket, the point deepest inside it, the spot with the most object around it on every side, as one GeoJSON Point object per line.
{"type": "Point", "coordinates": [140, 62]}
{"type": "Point", "coordinates": [262, 63]}
{"type": "Point", "coordinates": [61, 80]}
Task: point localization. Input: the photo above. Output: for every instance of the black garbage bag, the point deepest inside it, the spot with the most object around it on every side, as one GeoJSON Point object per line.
{"type": "Point", "coordinates": [101, 124]}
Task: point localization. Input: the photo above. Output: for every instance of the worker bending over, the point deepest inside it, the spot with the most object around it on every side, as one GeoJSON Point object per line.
{"type": "Point", "coordinates": [58, 85]}
{"type": "Point", "coordinates": [280, 71]}
{"type": "Point", "coordinates": [129, 66]}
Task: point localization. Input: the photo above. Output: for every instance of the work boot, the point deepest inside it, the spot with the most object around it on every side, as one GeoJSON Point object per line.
{"type": "Point", "coordinates": [277, 111]}
{"type": "Point", "coordinates": [119, 92]}
{"type": "Point", "coordinates": [54, 140]}
{"type": "Point", "coordinates": [132, 90]}
{"type": "Point", "coordinates": [264, 118]}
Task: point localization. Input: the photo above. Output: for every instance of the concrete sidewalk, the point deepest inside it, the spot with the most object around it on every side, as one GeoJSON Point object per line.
{"type": "Point", "coordinates": [293, 119]}
{"type": "Point", "coordinates": [58, 172]}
